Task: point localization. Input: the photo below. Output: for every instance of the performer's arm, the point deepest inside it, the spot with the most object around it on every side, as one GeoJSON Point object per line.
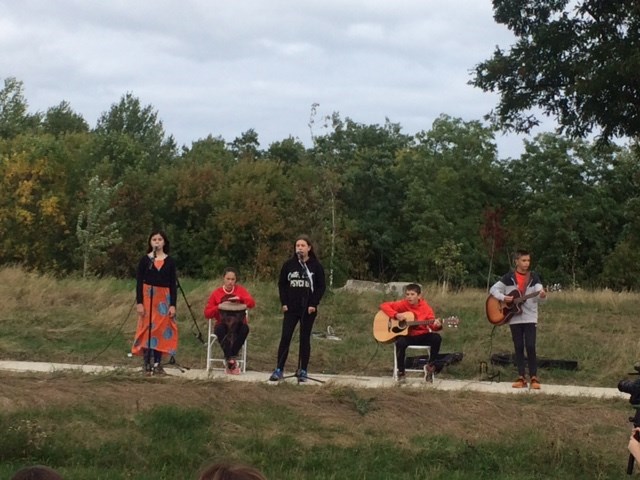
{"type": "Point", "coordinates": [542, 296]}
{"type": "Point", "coordinates": [428, 314]}
{"type": "Point", "coordinates": [140, 274]}
{"type": "Point", "coordinates": [245, 297]}
{"type": "Point", "coordinates": [211, 310]}
{"type": "Point", "coordinates": [143, 265]}
{"type": "Point", "coordinates": [283, 286]}
{"type": "Point", "coordinates": [394, 309]}
{"type": "Point", "coordinates": [319, 286]}
{"type": "Point", "coordinates": [498, 290]}
{"type": "Point", "coordinates": [634, 445]}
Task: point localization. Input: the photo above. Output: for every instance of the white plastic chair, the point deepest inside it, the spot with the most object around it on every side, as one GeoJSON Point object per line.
{"type": "Point", "coordinates": [213, 343]}
{"type": "Point", "coordinates": [426, 351]}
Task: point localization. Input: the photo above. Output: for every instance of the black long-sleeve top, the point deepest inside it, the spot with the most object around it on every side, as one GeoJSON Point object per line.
{"type": "Point", "coordinates": [295, 288]}
{"type": "Point", "coordinates": [165, 277]}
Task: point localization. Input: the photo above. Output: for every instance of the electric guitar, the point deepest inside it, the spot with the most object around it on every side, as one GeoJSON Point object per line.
{"type": "Point", "coordinates": [386, 329]}
{"type": "Point", "coordinates": [500, 312]}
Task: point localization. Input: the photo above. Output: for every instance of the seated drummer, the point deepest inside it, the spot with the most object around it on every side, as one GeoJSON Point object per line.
{"type": "Point", "coordinates": [228, 305]}
{"type": "Point", "coordinates": [417, 334]}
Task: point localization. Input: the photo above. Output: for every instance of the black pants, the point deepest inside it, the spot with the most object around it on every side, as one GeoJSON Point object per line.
{"type": "Point", "coordinates": [431, 339]}
{"type": "Point", "coordinates": [524, 337]}
{"type": "Point", "coordinates": [231, 340]}
{"type": "Point", "coordinates": [288, 327]}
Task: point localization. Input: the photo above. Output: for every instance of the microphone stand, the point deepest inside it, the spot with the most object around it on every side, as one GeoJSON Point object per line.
{"type": "Point", "coordinates": [148, 367]}
{"type": "Point", "coordinates": [193, 317]}
{"type": "Point", "coordinates": [172, 360]}
{"type": "Point", "coordinates": [305, 311]}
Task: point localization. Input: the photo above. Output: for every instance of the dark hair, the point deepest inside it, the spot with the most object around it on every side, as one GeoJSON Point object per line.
{"type": "Point", "coordinates": [306, 238]}
{"type": "Point", "coordinates": [230, 270]}
{"type": "Point", "coordinates": [413, 287]}
{"type": "Point", "coordinates": [230, 471]}
{"type": "Point", "coordinates": [37, 472]}
{"type": "Point", "coordinates": [166, 247]}
{"type": "Point", "coordinates": [520, 253]}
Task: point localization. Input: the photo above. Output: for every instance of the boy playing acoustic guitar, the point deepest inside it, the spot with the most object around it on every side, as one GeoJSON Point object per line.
{"type": "Point", "coordinates": [524, 322]}
{"type": "Point", "coordinates": [418, 334]}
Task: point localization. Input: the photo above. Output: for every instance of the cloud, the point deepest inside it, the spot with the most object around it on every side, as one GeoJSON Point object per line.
{"type": "Point", "coordinates": [221, 68]}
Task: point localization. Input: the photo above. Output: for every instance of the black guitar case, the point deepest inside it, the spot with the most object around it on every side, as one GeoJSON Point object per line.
{"type": "Point", "coordinates": [510, 359]}
{"type": "Point", "coordinates": [440, 361]}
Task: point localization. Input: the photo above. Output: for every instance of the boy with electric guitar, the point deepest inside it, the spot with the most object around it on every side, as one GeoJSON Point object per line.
{"type": "Point", "coordinates": [421, 332]}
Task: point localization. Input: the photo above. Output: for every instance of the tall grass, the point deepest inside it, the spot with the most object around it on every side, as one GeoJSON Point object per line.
{"type": "Point", "coordinates": [122, 426]}
{"type": "Point", "coordinates": [80, 321]}
{"type": "Point", "coordinates": [119, 427]}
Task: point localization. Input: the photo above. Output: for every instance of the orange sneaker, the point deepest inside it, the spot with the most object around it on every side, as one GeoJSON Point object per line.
{"type": "Point", "coordinates": [519, 383]}
{"type": "Point", "coordinates": [535, 383]}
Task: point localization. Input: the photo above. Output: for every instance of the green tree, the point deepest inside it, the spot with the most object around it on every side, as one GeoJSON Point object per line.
{"type": "Point", "coordinates": [34, 204]}
{"type": "Point", "coordinates": [621, 268]}
{"type": "Point", "coordinates": [448, 260]}
{"type": "Point", "coordinates": [131, 136]}
{"type": "Point", "coordinates": [250, 216]}
{"type": "Point", "coordinates": [246, 146]}
{"type": "Point", "coordinates": [190, 208]}
{"type": "Point", "coordinates": [576, 61]}
{"type": "Point", "coordinates": [562, 208]}
{"type": "Point", "coordinates": [289, 152]}
{"type": "Point", "coordinates": [130, 147]}
{"type": "Point", "coordinates": [95, 227]}
{"type": "Point", "coordinates": [14, 116]}
{"type": "Point", "coordinates": [139, 206]}
{"type": "Point", "coordinates": [209, 150]}
{"type": "Point", "coordinates": [61, 119]}
{"type": "Point", "coordinates": [363, 159]}
{"type": "Point", "coordinates": [450, 178]}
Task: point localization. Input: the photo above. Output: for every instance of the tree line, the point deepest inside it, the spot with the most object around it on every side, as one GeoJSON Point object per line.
{"type": "Point", "coordinates": [380, 204]}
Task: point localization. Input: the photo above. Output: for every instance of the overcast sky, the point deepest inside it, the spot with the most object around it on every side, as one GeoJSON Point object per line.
{"type": "Point", "coordinates": [223, 67]}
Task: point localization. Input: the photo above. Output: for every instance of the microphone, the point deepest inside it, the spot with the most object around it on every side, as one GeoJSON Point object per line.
{"type": "Point", "coordinates": [155, 251]}
{"type": "Point", "coordinates": [152, 259]}
{"type": "Point", "coordinates": [299, 254]}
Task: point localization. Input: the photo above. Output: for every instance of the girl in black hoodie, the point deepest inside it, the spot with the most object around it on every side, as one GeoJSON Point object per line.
{"type": "Point", "coordinates": [301, 286]}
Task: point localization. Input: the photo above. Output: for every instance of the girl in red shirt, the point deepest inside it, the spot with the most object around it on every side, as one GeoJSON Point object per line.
{"type": "Point", "coordinates": [227, 305]}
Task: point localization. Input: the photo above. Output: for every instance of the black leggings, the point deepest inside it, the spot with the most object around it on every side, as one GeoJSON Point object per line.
{"type": "Point", "coordinates": [231, 341]}
{"type": "Point", "coordinates": [288, 327]}
{"type": "Point", "coordinates": [524, 337]}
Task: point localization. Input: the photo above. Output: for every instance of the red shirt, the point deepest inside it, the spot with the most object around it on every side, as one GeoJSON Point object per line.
{"type": "Point", "coordinates": [421, 310]}
{"type": "Point", "coordinates": [521, 280]}
{"type": "Point", "coordinates": [219, 295]}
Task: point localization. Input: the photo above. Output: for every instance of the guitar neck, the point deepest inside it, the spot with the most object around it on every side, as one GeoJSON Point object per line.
{"type": "Point", "coordinates": [422, 322]}
{"type": "Point", "coordinates": [525, 297]}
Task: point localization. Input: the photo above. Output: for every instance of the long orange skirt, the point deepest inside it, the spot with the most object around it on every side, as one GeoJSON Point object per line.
{"type": "Point", "coordinates": [164, 330]}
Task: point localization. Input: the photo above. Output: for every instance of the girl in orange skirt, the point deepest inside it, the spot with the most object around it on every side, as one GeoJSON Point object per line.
{"type": "Point", "coordinates": [156, 292]}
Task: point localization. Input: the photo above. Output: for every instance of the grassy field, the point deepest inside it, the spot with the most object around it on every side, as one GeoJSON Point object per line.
{"type": "Point", "coordinates": [124, 426]}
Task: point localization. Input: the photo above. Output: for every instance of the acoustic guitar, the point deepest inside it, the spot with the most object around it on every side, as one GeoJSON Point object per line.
{"type": "Point", "coordinates": [500, 312]}
{"type": "Point", "coordinates": [386, 329]}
